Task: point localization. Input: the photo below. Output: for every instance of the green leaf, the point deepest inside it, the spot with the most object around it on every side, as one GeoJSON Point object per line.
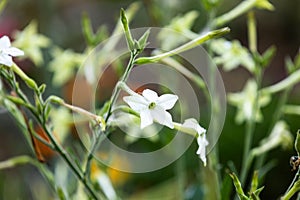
{"type": "Point", "coordinates": [238, 187]}
{"type": "Point", "coordinates": [255, 194]}
{"type": "Point", "coordinates": [297, 142]}
{"type": "Point", "coordinates": [268, 56]}
{"type": "Point", "coordinates": [143, 40]}
{"type": "Point", "coordinates": [297, 61]}
{"type": "Point", "coordinates": [60, 193]}
{"type": "Point", "coordinates": [254, 182]}
{"type": "Point", "coordinates": [292, 66]}
{"type": "Point", "coordinates": [87, 28]}
{"type": "Point", "coordinates": [101, 34]}
{"type": "Point", "coordinates": [105, 108]}
{"type": "Point", "coordinates": [210, 4]}
{"type": "Point", "coordinates": [289, 65]}
{"type": "Point", "coordinates": [226, 188]}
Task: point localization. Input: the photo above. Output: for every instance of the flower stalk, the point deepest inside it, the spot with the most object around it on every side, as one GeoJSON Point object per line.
{"type": "Point", "coordinates": [192, 44]}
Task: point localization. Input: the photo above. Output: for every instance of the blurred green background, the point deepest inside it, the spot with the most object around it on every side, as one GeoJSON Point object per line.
{"type": "Point", "coordinates": [60, 20]}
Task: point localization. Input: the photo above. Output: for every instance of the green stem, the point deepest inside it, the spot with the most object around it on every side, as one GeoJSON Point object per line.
{"type": "Point", "coordinates": [185, 47]}
{"type": "Point", "coordinates": [116, 91]}
{"type": "Point", "coordinates": [239, 10]}
{"type": "Point", "coordinates": [41, 120]}
{"type": "Point", "coordinates": [250, 124]}
{"type": "Point", "coordinates": [252, 32]}
{"type": "Point", "coordinates": [291, 109]}
{"type": "Point", "coordinates": [22, 160]}
{"type": "Point", "coordinates": [18, 160]}
{"type": "Point", "coordinates": [97, 118]}
{"type": "Point", "coordinates": [292, 191]}
{"type": "Point", "coordinates": [68, 160]}
{"type": "Point", "coordinates": [289, 81]}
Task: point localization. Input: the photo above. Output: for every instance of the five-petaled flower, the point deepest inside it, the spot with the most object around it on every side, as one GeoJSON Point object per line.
{"type": "Point", "coordinates": [201, 137]}
{"type": "Point", "coordinates": [7, 51]}
{"type": "Point", "coordinates": [152, 107]}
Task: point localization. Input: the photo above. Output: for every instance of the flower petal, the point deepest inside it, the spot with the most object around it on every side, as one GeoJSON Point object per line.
{"type": "Point", "coordinates": [4, 42]}
{"type": "Point", "coordinates": [150, 95]}
{"type": "Point", "coordinates": [193, 124]}
{"type": "Point", "coordinates": [146, 118]}
{"type": "Point", "coordinates": [202, 143]}
{"type": "Point", "coordinates": [14, 51]}
{"type": "Point", "coordinates": [137, 103]}
{"type": "Point", "coordinates": [167, 101]}
{"type": "Point", "coordinates": [162, 117]}
{"type": "Point", "coordinates": [6, 60]}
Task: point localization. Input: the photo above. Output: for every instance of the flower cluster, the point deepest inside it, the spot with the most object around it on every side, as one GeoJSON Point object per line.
{"type": "Point", "coordinates": [154, 108]}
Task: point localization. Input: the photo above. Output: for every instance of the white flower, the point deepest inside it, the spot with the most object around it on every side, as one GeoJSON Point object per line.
{"type": "Point", "coordinates": [245, 102]}
{"type": "Point", "coordinates": [231, 54]}
{"type": "Point", "coordinates": [32, 42]}
{"type": "Point", "coordinates": [7, 51]}
{"type": "Point", "coordinates": [152, 107]}
{"type": "Point", "coordinates": [201, 137]}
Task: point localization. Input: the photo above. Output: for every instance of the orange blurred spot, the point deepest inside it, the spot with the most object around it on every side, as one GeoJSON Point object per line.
{"type": "Point", "coordinates": [43, 152]}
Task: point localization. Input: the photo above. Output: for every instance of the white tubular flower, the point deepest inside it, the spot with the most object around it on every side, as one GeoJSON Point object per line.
{"type": "Point", "coordinates": [201, 137]}
{"type": "Point", "coordinates": [152, 107]}
{"type": "Point", "coordinates": [7, 51]}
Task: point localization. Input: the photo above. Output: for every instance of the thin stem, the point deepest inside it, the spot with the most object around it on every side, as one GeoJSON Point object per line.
{"type": "Point", "coordinates": [293, 181]}
{"type": "Point", "coordinates": [117, 90]}
{"type": "Point", "coordinates": [18, 160]}
{"type": "Point", "coordinates": [239, 10]}
{"type": "Point", "coordinates": [97, 118]}
{"type": "Point", "coordinates": [250, 124]}
{"type": "Point", "coordinates": [294, 189]}
{"type": "Point", "coordinates": [114, 97]}
{"type": "Point", "coordinates": [22, 160]}
{"type": "Point", "coordinates": [211, 174]}
{"type": "Point", "coordinates": [252, 32]}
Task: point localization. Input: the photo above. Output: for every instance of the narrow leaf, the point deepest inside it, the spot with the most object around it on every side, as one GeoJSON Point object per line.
{"type": "Point", "coordinates": [238, 187]}
{"type": "Point", "coordinates": [143, 40]}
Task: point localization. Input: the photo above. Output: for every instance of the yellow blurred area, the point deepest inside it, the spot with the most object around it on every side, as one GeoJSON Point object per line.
{"type": "Point", "coordinates": [117, 177]}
